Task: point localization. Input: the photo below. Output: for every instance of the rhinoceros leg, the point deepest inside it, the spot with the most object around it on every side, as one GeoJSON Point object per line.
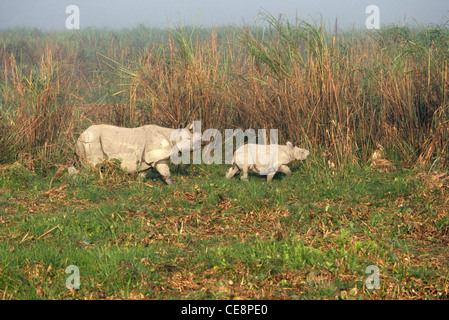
{"type": "Point", "coordinates": [270, 177]}
{"type": "Point", "coordinates": [286, 170]}
{"type": "Point", "coordinates": [141, 176]}
{"type": "Point", "coordinates": [232, 171]}
{"type": "Point", "coordinates": [164, 170]}
{"type": "Point", "coordinates": [244, 175]}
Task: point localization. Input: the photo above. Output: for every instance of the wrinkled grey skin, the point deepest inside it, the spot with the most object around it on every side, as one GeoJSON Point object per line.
{"type": "Point", "coordinates": [250, 158]}
{"type": "Point", "coordinates": [139, 149]}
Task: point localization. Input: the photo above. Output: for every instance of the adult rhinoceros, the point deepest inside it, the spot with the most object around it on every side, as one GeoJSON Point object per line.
{"type": "Point", "coordinates": [139, 149]}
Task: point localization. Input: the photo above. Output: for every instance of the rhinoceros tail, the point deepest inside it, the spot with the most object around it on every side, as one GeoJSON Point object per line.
{"type": "Point", "coordinates": [74, 165]}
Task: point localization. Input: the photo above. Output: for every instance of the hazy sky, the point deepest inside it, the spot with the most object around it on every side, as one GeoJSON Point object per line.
{"type": "Point", "coordinates": [50, 14]}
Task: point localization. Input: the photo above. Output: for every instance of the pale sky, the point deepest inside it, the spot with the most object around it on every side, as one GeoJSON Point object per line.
{"type": "Point", "coordinates": [50, 14]}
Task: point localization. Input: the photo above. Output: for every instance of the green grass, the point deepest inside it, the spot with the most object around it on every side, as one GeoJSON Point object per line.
{"type": "Point", "coordinates": [308, 237]}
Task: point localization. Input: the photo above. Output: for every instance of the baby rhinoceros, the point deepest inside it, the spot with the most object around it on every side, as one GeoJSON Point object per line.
{"type": "Point", "coordinates": [265, 160]}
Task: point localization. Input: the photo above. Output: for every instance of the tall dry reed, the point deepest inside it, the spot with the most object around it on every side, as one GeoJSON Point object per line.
{"type": "Point", "coordinates": [342, 93]}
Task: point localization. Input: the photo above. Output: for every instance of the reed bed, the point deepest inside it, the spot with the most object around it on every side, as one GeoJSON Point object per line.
{"type": "Point", "coordinates": [341, 93]}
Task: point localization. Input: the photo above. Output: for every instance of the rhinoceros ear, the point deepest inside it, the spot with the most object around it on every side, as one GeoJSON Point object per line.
{"type": "Point", "coordinates": [290, 148]}
{"type": "Point", "coordinates": [189, 127]}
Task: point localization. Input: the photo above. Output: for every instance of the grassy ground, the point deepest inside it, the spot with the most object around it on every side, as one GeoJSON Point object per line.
{"type": "Point", "coordinates": [309, 237]}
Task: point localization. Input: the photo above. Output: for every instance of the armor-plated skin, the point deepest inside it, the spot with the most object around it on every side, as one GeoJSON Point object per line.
{"type": "Point", "coordinates": [139, 149]}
